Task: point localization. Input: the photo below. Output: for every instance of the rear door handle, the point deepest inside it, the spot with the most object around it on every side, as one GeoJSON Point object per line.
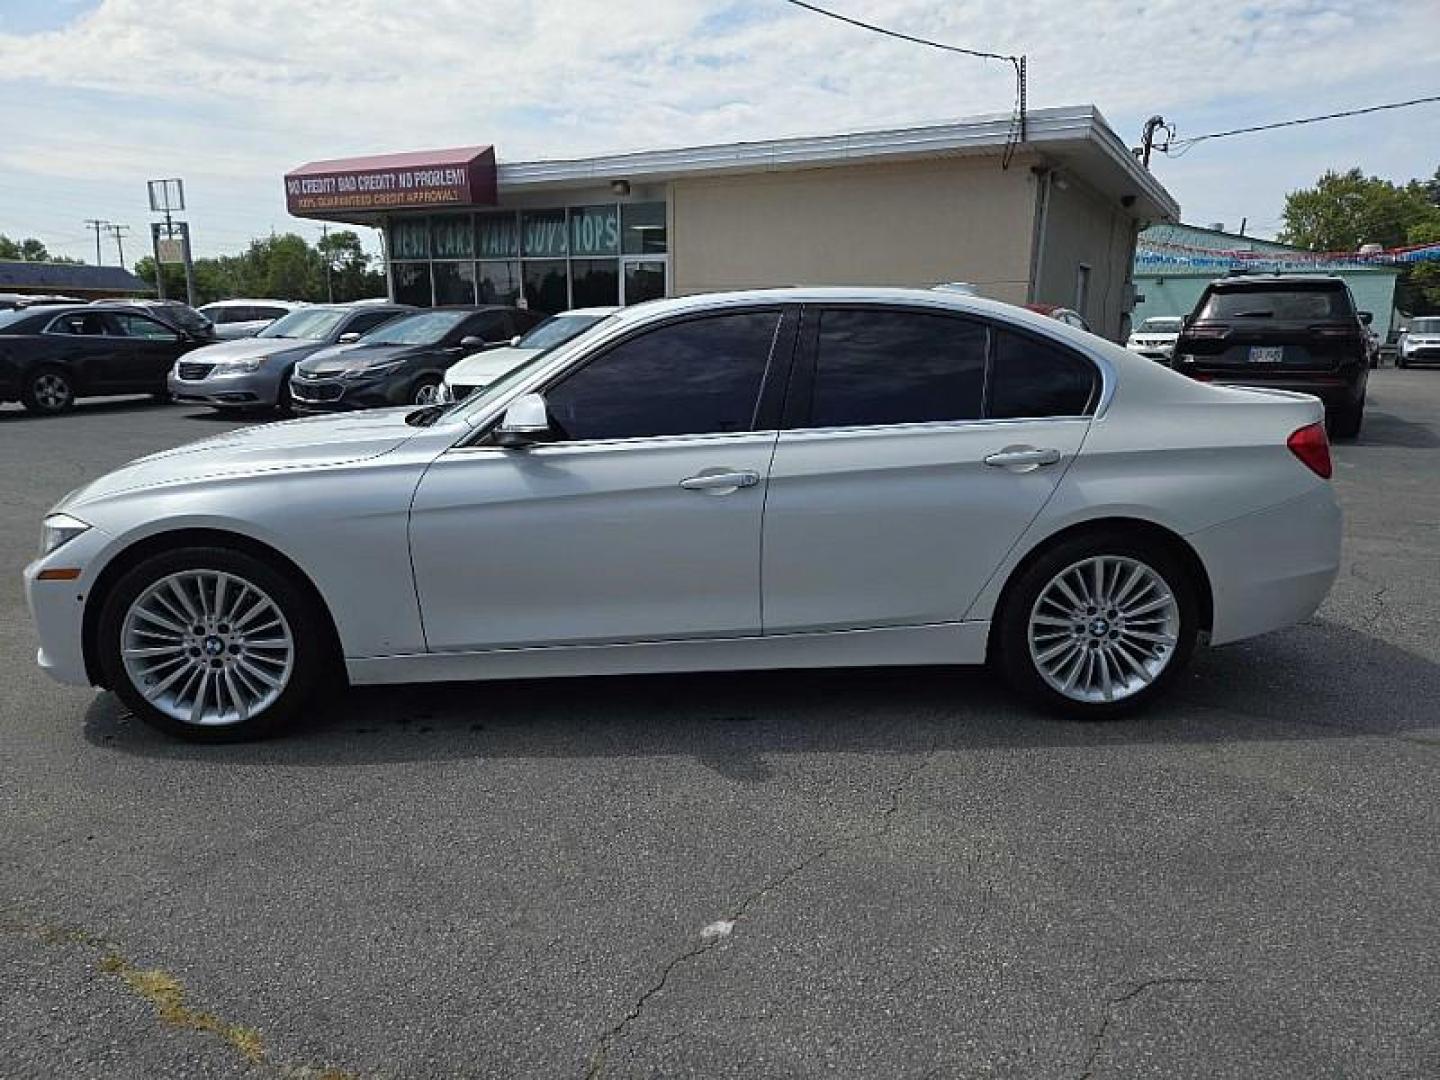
{"type": "Point", "coordinates": [720, 483]}
{"type": "Point", "coordinates": [1023, 458]}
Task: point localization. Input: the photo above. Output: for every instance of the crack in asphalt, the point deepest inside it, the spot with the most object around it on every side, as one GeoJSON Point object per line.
{"type": "Point", "coordinates": [1097, 1041]}
{"type": "Point", "coordinates": [598, 1057]}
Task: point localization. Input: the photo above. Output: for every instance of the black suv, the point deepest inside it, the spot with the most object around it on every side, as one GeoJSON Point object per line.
{"type": "Point", "coordinates": [1287, 332]}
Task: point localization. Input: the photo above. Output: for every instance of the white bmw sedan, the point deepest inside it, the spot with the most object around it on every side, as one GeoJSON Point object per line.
{"type": "Point", "coordinates": [776, 479]}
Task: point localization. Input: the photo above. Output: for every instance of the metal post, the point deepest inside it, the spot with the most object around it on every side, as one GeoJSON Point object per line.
{"type": "Point", "coordinates": [189, 264]}
{"type": "Point", "coordinates": [155, 253]}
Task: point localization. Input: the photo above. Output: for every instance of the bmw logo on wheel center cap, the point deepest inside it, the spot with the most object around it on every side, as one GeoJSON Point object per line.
{"type": "Point", "coordinates": [214, 646]}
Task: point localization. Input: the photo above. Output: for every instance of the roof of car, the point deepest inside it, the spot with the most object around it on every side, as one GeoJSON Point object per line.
{"type": "Point", "coordinates": [1277, 279]}
{"type": "Point", "coordinates": [242, 302]}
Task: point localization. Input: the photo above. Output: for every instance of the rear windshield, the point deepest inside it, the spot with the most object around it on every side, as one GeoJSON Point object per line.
{"type": "Point", "coordinates": [1288, 302]}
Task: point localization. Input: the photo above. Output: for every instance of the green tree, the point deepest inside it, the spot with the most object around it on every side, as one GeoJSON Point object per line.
{"type": "Point", "coordinates": [30, 250]}
{"type": "Point", "coordinates": [282, 267]}
{"type": "Point", "coordinates": [1345, 210]}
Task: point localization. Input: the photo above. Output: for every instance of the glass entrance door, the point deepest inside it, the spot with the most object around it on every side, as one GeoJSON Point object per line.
{"type": "Point", "coordinates": [642, 279]}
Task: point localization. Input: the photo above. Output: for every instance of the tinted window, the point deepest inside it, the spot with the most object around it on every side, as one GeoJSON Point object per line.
{"type": "Point", "coordinates": [368, 321]}
{"type": "Point", "coordinates": [896, 367]}
{"type": "Point", "coordinates": [79, 322]}
{"type": "Point", "coordinates": [492, 326]}
{"type": "Point", "coordinates": [1034, 378]}
{"type": "Point", "coordinates": [1283, 302]}
{"type": "Point", "coordinates": [268, 312]}
{"type": "Point", "coordinates": [138, 326]}
{"type": "Point", "coordinates": [694, 377]}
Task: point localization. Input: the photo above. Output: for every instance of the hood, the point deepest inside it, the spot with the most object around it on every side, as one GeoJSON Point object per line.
{"type": "Point", "coordinates": [314, 441]}
{"type": "Point", "coordinates": [336, 358]}
{"type": "Point", "coordinates": [243, 348]}
{"type": "Point", "coordinates": [483, 368]}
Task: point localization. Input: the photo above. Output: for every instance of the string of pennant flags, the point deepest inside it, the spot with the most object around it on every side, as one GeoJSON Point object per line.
{"type": "Point", "coordinates": [1168, 253]}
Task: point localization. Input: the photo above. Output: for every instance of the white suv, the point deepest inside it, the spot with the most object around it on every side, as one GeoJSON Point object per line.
{"type": "Point", "coordinates": [245, 318]}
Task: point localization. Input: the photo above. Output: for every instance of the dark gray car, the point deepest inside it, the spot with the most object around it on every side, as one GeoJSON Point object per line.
{"type": "Point", "coordinates": [254, 372]}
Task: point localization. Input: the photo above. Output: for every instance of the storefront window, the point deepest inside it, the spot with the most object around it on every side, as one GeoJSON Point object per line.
{"type": "Point", "coordinates": [410, 238]}
{"type": "Point", "coordinates": [451, 236]}
{"type": "Point", "coordinates": [412, 283]}
{"type": "Point", "coordinates": [497, 235]}
{"type": "Point", "coordinates": [595, 230]}
{"type": "Point", "coordinates": [594, 282]}
{"type": "Point", "coordinates": [499, 282]}
{"type": "Point", "coordinates": [644, 280]}
{"type": "Point", "coordinates": [454, 283]}
{"type": "Point", "coordinates": [544, 233]}
{"type": "Point", "coordinates": [644, 229]}
{"type": "Point", "coordinates": [545, 285]}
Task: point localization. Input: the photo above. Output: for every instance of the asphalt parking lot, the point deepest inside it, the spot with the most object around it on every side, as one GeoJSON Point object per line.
{"type": "Point", "coordinates": [867, 874]}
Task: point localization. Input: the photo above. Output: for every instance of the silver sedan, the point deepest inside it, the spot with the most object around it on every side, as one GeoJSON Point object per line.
{"type": "Point", "coordinates": [771, 479]}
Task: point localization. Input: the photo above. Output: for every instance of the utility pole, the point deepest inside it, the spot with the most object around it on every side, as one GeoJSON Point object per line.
{"type": "Point", "coordinates": [325, 250]}
{"type": "Point", "coordinates": [97, 225]}
{"type": "Point", "coordinates": [1148, 142]}
{"type": "Point", "coordinates": [118, 232]}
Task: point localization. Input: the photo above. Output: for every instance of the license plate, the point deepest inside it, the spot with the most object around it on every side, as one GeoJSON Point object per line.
{"type": "Point", "coordinates": [1267, 354]}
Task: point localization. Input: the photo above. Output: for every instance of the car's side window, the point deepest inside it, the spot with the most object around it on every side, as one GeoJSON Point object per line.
{"type": "Point", "coordinates": [491, 326]}
{"type": "Point", "coordinates": [138, 326]}
{"type": "Point", "coordinates": [896, 367]}
{"type": "Point", "coordinates": [363, 324]}
{"type": "Point", "coordinates": [1034, 378]}
{"type": "Point", "coordinates": [698, 376]}
{"type": "Point", "coordinates": [86, 323]}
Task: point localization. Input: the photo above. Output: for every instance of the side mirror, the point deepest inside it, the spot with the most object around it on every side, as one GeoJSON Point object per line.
{"type": "Point", "coordinates": [525, 423]}
{"type": "Point", "coordinates": [515, 341]}
{"type": "Point", "coordinates": [471, 343]}
{"type": "Point", "coordinates": [348, 338]}
{"type": "Point", "coordinates": [1367, 317]}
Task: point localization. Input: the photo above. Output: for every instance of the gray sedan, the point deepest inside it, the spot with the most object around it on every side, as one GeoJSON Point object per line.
{"type": "Point", "coordinates": [254, 373]}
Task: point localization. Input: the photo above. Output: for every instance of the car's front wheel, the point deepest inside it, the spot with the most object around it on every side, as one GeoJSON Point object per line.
{"type": "Point", "coordinates": [426, 391]}
{"type": "Point", "coordinates": [211, 645]}
{"type": "Point", "coordinates": [1098, 625]}
{"type": "Point", "coordinates": [48, 391]}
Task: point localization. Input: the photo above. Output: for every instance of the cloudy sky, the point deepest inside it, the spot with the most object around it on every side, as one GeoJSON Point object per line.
{"type": "Point", "coordinates": [98, 95]}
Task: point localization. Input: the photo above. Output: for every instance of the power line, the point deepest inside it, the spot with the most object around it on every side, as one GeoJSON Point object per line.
{"type": "Point", "coordinates": [903, 36]}
{"type": "Point", "coordinates": [1183, 145]}
{"type": "Point", "coordinates": [1017, 127]}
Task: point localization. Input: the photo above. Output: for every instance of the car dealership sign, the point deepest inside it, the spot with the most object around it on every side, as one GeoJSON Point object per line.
{"type": "Point", "coordinates": [460, 177]}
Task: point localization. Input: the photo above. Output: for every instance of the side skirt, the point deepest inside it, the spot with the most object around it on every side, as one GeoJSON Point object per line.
{"type": "Point", "coordinates": [942, 643]}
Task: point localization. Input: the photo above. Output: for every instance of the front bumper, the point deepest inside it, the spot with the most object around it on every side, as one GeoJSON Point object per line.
{"type": "Point", "coordinates": [323, 395]}
{"type": "Point", "coordinates": [1273, 568]}
{"type": "Point", "coordinates": [57, 608]}
{"type": "Point", "coordinates": [251, 390]}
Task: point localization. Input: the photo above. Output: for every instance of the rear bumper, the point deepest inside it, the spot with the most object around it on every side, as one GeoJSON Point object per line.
{"type": "Point", "coordinates": [1273, 568]}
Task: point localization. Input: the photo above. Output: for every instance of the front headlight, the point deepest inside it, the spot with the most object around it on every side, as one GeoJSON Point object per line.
{"type": "Point", "coordinates": [365, 371]}
{"type": "Point", "coordinates": [237, 367]}
{"type": "Point", "coordinates": [58, 530]}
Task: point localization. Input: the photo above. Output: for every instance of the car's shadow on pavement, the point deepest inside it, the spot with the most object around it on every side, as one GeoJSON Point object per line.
{"type": "Point", "coordinates": [1384, 429]}
{"type": "Point", "coordinates": [91, 407]}
{"type": "Point", "coordinates": [1320, 680]}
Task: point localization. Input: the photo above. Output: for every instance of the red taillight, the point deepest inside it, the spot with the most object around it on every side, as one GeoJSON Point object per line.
{"type": "Point", "coordinates": [1310, 445]}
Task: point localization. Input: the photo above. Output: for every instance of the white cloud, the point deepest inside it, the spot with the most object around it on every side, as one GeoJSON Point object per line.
{"type": "Point", "coordinates": [230, 93]}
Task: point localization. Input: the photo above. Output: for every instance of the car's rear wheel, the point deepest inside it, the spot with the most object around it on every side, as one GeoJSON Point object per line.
{"type": "Point", "coordinates": [211, 645]}
{"type": "Point", "coordinates": [1098, 625]}
{"type": "Point", "coordinates": [1344, 422]}
{"type": "Point", "coordinates": [48, 391]}
{"type": "Point", "coordinates": [426, 391]}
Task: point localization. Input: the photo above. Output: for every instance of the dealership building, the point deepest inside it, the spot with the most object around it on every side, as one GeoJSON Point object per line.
{"type": "Point", "coordinates": [1045, 215]}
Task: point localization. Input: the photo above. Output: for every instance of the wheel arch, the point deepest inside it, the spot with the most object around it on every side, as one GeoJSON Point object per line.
{"type": "Point", "coordinates": [1131, 527]}
{"type": "Point", "coordinates": [156, 544]}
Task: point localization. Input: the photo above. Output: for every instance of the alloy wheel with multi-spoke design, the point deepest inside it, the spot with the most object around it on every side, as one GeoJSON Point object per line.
{"type": "Point", "coordinates": [207, 647]}
{"type": "Point", "coordinates": [51, 391]}
{"type": "Point", "coordinates": [427, 393]}
{"type": "Point", "coordinates": [1103, 629]}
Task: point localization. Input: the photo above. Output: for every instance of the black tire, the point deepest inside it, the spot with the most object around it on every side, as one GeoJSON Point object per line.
{"type": "Point", "coordinates": [426, 384]}
{"type": "Point", "coordinates": [48, 391]}
{"type": "Point", "coordinates": [284, 403]}
{"type": "Point", "coordinates": [1011, 644]}
{"type": "Point", "coordinates": [1344, 423]}
{"type": "Point", "coordinates": [313, 649]}
{"type": "Point", "coordinates": [1399, 361]}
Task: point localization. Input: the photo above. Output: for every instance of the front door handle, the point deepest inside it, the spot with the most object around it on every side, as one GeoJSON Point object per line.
{"type": "Point", "coordinates": [721, 482]}
{"type": "Point", "coordinates": [1022, 458]}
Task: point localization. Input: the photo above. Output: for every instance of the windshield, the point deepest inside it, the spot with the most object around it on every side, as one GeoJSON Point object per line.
{"type": "Point", "coordinates": [1160, 326]}
{"type": "Point", "coordinates": [557, 330]}
{"type": "Point", "coordinates": [1292, 302]}
{"type": "Point", "coordinates": [426, 328]}
{"type": "Point", "coordinates": [1425, 326]}
{"type": "Point", "coordinates": [311, 324]}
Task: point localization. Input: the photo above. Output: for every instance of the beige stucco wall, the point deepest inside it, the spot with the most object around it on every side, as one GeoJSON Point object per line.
{"type": "Point", "coordinates": [1081, 226]}
{"type": "Point", "coordinates": [918, 223]}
